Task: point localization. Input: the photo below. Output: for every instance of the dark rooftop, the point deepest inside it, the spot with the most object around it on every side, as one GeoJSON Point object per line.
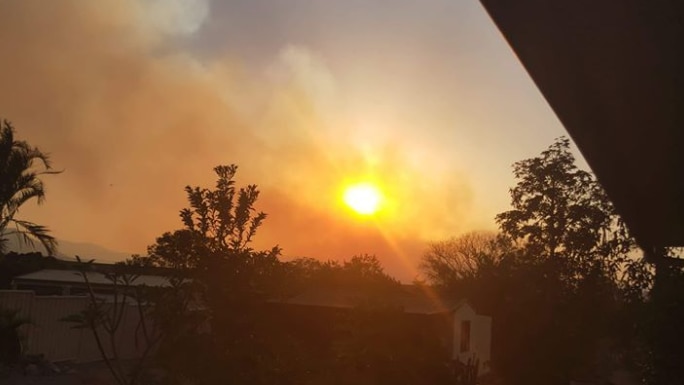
{"type": "Point", "coordinates": [74, 277]}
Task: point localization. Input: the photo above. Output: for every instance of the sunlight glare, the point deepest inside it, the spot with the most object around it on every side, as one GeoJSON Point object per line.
{"type": "Point", "coordinates": [363, 198]}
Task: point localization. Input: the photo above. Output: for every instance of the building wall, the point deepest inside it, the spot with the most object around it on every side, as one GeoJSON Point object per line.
{"type": "Point", "coordinates": [480, 337]}
{"type": "Point", "coordinates": [57, 340]}
{"type": "Point", "coordinates": [482, 341]}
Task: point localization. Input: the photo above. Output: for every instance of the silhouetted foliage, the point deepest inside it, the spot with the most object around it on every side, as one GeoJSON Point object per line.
{"type": "Point", "coordinates": [571, 246]}
{"type": "Point", "coordinates": [213, 313]}
{"type": "Point", "coordinates": [553, 280]}
{"type": "Point", "coordinates": [176, 251]}
{"type": "Point", "coordinates": [561, 213]}
{"type": "Point", "coordinates": [14, 264]}
{"type": "Point", "coordinates": [464, 257]}
{"type": "Point", "coordinates": [656, 322]}
{"type": "Point", "coordinates": [104, 319]}
{"type": "Point", "coordinates": [223, 322]}
{"type": "Point", "coordinates": [360, 272]}
{"type": "Point", "coordinates": [21, 166]}
{"type": "Point", "coordinates": [383, 345]}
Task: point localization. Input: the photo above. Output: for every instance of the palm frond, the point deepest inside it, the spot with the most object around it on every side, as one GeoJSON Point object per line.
{"type": "Point", "coordinates": [21, 166]}
{"type": "Point", "coordinates": [31, 232]}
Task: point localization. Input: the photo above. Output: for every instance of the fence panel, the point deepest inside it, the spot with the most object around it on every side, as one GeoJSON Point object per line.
{"type": "Point", "coordinates": [47, 334]}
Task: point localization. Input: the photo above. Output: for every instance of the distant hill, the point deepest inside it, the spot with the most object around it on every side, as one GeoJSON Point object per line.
{"type": "Point", "coordinates": [68, 250]}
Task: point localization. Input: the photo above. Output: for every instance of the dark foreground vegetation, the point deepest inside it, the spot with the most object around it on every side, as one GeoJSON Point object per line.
{"type": "Point", "coordinates": [570, 295]}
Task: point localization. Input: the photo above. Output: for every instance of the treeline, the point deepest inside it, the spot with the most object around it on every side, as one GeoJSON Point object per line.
{"type": "Point", "coordinates": [570, 296]}
{"type": "Point", "coordinates": [562, 279]}
{"type": "Point", "coordinates": [569, 292]}
{"type": "Point", "coordinates": [223, 319]}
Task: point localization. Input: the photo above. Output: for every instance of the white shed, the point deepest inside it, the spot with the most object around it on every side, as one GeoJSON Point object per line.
{"type": "Point", "coordinates": [472, 336]}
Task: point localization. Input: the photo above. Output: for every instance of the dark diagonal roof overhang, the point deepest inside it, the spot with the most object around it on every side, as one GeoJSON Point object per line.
{"type": "Point", "coordinates": [613, 73]}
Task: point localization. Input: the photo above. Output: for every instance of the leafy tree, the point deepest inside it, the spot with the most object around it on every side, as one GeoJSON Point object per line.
{"type": "Point", "coordinates": [550, 280]}
{"type": "Point", "coordinates": [571, 245]}
{"type": "Point", "coordinates": [222, 222]}
{"type": "Point", "coordinates": [21, 166]}
{"type": "Point", "coordinates": [228, 285]}
{"type": "Point", "coordinates": [561, 213]}
{"type": "Point", "coordinates": [361, 272]}
{"type": "Point", "coordinates": [364, 266]}
{"type": "Point", "coordinates": [223, 217]}
{"type": "Point", "coordinates": [14, 264]}
{"type": "Point", "coordinates": [175, 255]}
{"type": "Point", "coordinates": [227, 332]}
{"type": "Point", "coordinates": [655, 320]}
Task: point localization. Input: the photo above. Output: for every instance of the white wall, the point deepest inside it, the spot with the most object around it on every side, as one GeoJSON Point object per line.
{"type": "Point", "coordinates": [480, 337]}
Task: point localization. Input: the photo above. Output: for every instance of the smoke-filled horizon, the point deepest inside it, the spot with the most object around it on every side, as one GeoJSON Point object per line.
{"type": "Point", "coordinates": [136, 99]}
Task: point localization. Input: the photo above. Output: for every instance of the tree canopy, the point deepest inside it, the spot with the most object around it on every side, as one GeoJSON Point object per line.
{"type": "Point", "coordinates": [552, 277]}
{"type": "Point", "coordinates": [562, 213]}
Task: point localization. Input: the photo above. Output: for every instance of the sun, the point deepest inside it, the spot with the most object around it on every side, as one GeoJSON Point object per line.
{"type": "Point", "coordinates": [363, 198]}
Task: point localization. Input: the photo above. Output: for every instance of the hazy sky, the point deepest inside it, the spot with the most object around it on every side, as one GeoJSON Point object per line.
{"type": "Point", "coordinates": [136, 99]}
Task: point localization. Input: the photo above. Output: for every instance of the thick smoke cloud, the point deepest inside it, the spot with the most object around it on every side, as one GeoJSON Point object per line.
{"type": "Point", "coordinates": [132, 118]}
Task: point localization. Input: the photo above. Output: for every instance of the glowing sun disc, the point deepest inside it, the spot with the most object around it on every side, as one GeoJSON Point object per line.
{"type": "Point", "coordinates": [362, 198]}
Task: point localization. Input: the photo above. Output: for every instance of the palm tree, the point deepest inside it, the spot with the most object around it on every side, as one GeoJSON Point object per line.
{"type": "Point", "coordinates": [21, 166]}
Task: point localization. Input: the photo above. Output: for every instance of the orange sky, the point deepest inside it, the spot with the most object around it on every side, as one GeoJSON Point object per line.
{"type": "Point", "coordinates": [136, 99]}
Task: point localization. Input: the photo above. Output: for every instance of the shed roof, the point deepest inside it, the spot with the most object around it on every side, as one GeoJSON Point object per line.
{"type": "Point", "coordinates": [74, 277]}
{"type": "Point", "coordinates": [411, 299]}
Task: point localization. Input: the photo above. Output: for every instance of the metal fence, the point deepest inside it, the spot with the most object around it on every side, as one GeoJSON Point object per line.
{"type": "Point", "coordinates": [57, 340]}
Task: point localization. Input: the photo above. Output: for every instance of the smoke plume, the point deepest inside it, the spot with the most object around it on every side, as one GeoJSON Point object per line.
{"type": "Point", "coordinates": [131, 116]}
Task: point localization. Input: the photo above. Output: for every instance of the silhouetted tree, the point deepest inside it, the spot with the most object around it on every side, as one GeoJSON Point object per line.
{"type": "Point", "coordinates": [223, 284]}
{"type": "Point", "coordinates": [14, 264]}
{"type": "Point", "coordinates": [463, 257]}
{"type": "Point", "coordinates": [561, 213]}
{"type": "Point", "coordinates": [360, 272]}
{"type": "Point", "coordinates": [176, 253]}
{"type": "Point", "coordinates": [656, 320]}
{"type": "Point", "coordinates": [21, 166]}
{"type": "Point", "coordinates": [550, 280]}
{"type": "Point", "coordinates": [222, 321]}
{"type": "Point", "coordinates": [572, 246]}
